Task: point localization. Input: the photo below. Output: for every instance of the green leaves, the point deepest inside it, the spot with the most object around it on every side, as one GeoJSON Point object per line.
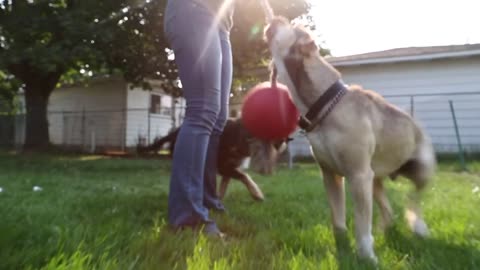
{"type": "Point", "coordinates": [47, 42]}
{"type": "Point", "coordinates": [249, 49]}
{"type": "Point", "coordinates": [8, 88]}
{"type": "Point", "coordinates": [51, 35]}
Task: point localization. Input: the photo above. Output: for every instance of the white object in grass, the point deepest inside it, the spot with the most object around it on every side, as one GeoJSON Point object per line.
{"type": "Point", "coordinates": [1, 189]}
{"type": "Point", "coordinates": [37, 188]}
{"type": "Point", "coordinates": [475, 189]}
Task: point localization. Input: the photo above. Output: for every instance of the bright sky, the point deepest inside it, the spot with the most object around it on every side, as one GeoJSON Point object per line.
{"type": "Point", "coordinates": [359, 26]}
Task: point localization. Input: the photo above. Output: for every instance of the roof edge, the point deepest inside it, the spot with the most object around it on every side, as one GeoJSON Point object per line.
{"type": "Point", "coordinates": [408, 58]}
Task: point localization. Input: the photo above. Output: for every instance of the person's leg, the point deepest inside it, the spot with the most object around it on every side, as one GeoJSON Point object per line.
{"type": "Point", "coordinates": [199, 63]}
{"type": "Point", "coordinates": [211, 199]}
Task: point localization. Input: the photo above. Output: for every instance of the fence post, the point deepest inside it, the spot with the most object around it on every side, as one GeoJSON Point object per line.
{"type": "Point", "coordinates": [92, 140]}
{"type": "Point", "coordinates": [412, 108]}
{"type": "Point", "coordinates": [173, 113]}
{"type": "Point", "coordinates": [459, 142]}
{"type": "Point", "coordinates": [290, 156]}
{"type": "Point", "coordinates": [64, 130]}
{"type": "Point", "coordinates": [83, 131]}
{"type": "Point", "coordinates": [148, 127]}
{"type": "Point", "coordinates": [124, 128]}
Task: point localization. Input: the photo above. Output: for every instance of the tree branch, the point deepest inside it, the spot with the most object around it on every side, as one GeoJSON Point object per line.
{"type": "Point", "coordinates": [70, 4]}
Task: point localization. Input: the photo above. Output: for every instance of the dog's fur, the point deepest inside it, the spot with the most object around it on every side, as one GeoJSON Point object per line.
{"type": "Point", "coordinates": [236, 145]}
{"type": "Point", "coordinates": [364, 139]}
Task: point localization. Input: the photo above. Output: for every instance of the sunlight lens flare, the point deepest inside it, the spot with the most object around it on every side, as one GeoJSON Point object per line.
{"type": "Point", "coordinates": [226, 5]}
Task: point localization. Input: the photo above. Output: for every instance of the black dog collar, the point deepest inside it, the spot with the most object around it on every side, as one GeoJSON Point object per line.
{"type": "Point", "coordinates": [331, 97]}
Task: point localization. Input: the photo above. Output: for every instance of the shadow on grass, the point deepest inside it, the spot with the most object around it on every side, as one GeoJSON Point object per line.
{"type": "Point", "coordinates": [429, 253]}
{"type": "Point", "coordinates": [45, 162]}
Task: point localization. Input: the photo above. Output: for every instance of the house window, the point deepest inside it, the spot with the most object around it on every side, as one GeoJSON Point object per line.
{"type": "Point", "coordinates": [161, 105]}
{"type": "Point", "coordinates": [156, 104]}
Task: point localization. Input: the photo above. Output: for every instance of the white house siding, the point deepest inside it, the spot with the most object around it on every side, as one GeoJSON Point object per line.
{"type": "Point", "coordinates": [146, 126]}
{"type": "Point", "coordinates": [429, 79]}
{"type": "Point", "coordinates": [425, 81]}
{"type": "Point", "coordinates": [88, 116]}
{"type": "Point", "coordinates": [109, 115]}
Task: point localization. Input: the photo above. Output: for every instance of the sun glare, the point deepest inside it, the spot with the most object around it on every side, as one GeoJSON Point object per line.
{"type": "Point", "coordinates": [373, 25]}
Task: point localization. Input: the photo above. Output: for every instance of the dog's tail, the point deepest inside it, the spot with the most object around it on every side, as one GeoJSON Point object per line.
{"type": "Point", "coordinates": [424, 159]}
{"type": "Point", "coordinates": [159, 142]}
{"type": "Point", "coordinates": [422, 164]}
{"type": "Point", "coordinates": [425, 155]}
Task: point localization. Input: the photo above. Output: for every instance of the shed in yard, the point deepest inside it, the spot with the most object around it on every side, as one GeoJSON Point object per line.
{"type": "Point", "coordinates": [108, 115]}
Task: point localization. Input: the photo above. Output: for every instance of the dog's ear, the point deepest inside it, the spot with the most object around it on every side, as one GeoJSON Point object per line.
{"type": "Point", "coordinates": [305, 42]}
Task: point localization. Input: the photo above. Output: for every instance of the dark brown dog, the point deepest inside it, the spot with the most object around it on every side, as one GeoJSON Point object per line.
{"type": "Point", "coordinates": [236, 145]}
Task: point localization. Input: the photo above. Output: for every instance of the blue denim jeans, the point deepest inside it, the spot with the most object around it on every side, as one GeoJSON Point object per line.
{"type": "Point", "coordinates": [204, 59]}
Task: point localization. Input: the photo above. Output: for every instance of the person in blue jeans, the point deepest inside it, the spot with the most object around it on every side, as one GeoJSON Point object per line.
{"type": "Point", "coordinates": [199, 35]}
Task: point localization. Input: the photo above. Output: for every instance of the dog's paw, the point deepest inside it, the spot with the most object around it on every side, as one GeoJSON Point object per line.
{"type": "Point", "coordinates": [256, 193]}
{"type": "Point", "coordinates": [365, 250]}
{"type": "Point", "coordinates": [369, 257]}
{"type": "Point", "coordinates": [420, 228]}
{"type": "Point", "coordinates": [258, 196]}
{"type": "Point", "coordinates": [417, 224]}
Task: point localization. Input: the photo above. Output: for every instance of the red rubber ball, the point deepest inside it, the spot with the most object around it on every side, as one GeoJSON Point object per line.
{"type": "Point", "coordinates": [269, 113]}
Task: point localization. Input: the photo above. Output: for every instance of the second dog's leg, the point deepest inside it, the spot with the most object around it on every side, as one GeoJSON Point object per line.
{"type": "Point", "coordinates": [223, 187]}
{"type": "Point", "coordinates": [383, 203]}
{"type": "Point", "coordinates": [414, 216]}
{"type": "Point", "coordinates": [335, 188]}
{"type": "Point", "coordinates": [252, 187]}
{"type": "Point", "coordinates": [361, 183]}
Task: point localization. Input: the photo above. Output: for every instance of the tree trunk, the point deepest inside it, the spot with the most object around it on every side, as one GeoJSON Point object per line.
{"type": "Point", "coordinates": [37, 136]}
{"type": "Point", "coordinates": [38, 87]}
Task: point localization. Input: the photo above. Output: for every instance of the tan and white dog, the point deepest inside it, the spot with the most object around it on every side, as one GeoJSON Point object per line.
{"type": "Point", "coordinates": [362, 137]}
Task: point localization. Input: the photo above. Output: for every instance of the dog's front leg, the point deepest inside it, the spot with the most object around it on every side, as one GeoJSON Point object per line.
{"type": "Point", "coordinates": [252, 187]}
{"type": "Point", "coordinates": [335, 188]}
{"type": "Point", "coordinates": [362, 189]}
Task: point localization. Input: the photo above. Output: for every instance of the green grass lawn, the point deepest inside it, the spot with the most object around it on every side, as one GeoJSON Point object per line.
{"type": "Point", "coordinates": [99, 213]}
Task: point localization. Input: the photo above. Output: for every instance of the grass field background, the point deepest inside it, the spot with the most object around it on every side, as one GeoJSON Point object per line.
{"type": "Point", "coordinates": [101, 213]}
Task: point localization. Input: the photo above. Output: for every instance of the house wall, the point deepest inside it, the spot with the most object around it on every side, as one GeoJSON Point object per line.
{"type": "Point", "coordinates": [146, 126]}
{"type": "Point", "coordinates": [423, 84]}
{"type": "Point", "coordinates": [109, 115]}
{"type": "Point", "coordinates": [89, 116]}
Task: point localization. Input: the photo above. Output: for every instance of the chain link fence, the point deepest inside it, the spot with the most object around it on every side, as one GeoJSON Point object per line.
{"type": "Point", "coordinates": [95, 130]}
{"type": "Point", "coordinates": [451, 119]}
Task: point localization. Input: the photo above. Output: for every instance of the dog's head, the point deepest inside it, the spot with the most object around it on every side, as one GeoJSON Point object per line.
{"type": "Point", "coordinates": [289, 41]}
{"type": "Point", "coordinates": [264, 154]}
